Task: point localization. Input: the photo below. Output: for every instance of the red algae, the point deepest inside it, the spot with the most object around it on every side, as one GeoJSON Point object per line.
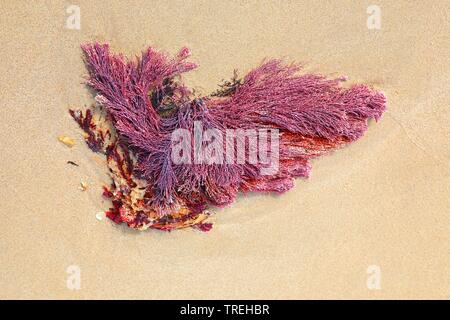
{"type": "Point", "coordinates": [145, 102]}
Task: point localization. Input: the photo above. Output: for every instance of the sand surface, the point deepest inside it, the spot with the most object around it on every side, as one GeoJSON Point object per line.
{"type": "Point", "coordinates": [382, 201]}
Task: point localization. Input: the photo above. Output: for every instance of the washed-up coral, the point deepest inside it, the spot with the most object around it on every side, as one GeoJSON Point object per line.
{"type": "Point", "coordinates": [146, 104]}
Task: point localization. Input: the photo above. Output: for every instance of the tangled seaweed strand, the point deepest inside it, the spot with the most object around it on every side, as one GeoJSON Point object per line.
{"type": "Point", "coordinates": [146, 101]}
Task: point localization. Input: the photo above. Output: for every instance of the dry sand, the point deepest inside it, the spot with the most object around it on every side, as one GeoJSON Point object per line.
{"type": "Point", "coordinates": [381, 201]}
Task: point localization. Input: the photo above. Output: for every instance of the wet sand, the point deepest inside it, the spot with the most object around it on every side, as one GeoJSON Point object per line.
{"type": "Point", "coordinates": [379, 204]}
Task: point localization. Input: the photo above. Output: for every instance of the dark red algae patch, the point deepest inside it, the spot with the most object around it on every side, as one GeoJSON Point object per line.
{"type": "Point", "coordinates": [143, 103]}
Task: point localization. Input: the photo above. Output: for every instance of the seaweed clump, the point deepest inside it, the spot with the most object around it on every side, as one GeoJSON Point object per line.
{"type": "Point", "coordinates": [146, 101]}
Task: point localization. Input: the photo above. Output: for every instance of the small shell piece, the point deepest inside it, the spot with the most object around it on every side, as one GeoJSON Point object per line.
{"type": "Point", "coordinates": [99, 216]}
{"type": "Point", "coordinates": [83, 186]}
{"type": "Point", "coordinates": [67, 141]}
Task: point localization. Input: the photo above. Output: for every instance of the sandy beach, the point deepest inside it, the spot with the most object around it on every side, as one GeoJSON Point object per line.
{"type": "Point", "coordinates": [378, 206]}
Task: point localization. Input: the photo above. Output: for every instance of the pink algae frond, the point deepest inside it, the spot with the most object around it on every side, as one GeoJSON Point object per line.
{"type": "Point", "coordinates": [146, 101]}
